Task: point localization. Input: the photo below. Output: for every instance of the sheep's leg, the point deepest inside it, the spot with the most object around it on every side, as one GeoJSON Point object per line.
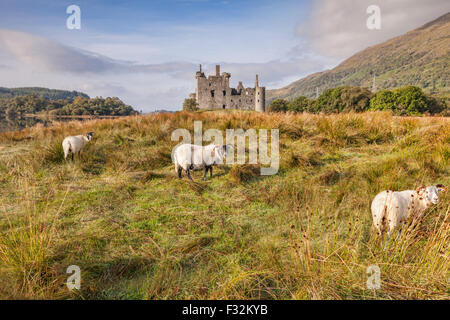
{"type": "Point", "coordinates": [210, 171]}
{"type": "Point", "coordinates": [206, 171]}
{"type": "Point", "coordinates": [188, 174]}
{"type": "Point", "coordinates": [388, 238]}
{"type": "Point", "coordinates": [72, 156]}
{"type": "Point", "coordinates": [179, 172]}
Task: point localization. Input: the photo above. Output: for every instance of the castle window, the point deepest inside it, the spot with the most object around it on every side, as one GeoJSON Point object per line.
{"type": "Point", "coordinates": [223, 106]}
{"type": "Point", "coordinates": [212, 93]}
{"type": "Point", "coordinates": [224, 93]}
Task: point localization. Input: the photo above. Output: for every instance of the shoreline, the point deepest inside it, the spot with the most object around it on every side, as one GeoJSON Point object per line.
{"type": "Point", "coordinates": [29, 115]}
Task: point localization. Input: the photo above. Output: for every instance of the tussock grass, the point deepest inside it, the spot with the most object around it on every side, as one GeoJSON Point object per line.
{"type": "Point", "coordinates": [244, 173]}
{"type": "Point", "coordinates": [138, 232]}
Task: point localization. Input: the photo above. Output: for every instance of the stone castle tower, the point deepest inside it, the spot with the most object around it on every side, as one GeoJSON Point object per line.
{"type": "Point", "coordinates": [214, 92]}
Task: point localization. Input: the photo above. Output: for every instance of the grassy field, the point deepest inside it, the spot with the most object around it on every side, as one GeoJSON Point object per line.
{"type": "Point", "coordinates": [137, 232]}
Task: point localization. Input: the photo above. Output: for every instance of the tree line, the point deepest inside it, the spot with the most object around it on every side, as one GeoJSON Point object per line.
{"type": "Point", "coordinates": [80, 105]}
{"type": "Point", "coordinates": [404, 101]}
{"type": "Point", "coordinates": [51, 94]}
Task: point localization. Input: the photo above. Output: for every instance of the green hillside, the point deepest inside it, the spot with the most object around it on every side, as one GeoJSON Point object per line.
{"type": "Point", "coordinates": [420, 57]}
{"type": "Point", "coordinates": [51, 94]}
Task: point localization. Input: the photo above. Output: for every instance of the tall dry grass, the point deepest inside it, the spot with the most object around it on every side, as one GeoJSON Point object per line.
{"type": "Point", "coordinates": [136, 231]}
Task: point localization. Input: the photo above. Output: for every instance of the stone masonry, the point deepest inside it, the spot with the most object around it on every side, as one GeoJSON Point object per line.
{"type": "Point", "coordinates": [214, 92]}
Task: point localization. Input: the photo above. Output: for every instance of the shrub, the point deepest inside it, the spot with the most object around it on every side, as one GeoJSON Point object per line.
{"type": "Point", "coordinates": [408, 101]}
{"type": "Point", "coordinates": [383, 100]}
{"type": "Point", "coordinates": [343, 99]}
{"type": "Point", "coordinates": [300, 104]}
{"type": "Point", "coordinates": [190, 105]}
{"type": "Point", "coordinates": [278, 105]}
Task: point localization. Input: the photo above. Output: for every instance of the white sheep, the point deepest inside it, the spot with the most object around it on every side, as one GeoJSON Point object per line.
{"type": "Point", "coordinates": [391, 209]}
{"type": "Point", "coordinates": [193, 157]}
{"type": "Point", "coordinates": [74, 144]}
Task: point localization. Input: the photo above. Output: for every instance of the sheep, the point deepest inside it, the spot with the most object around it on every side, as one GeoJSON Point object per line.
{"type": "Point", "coordinates": [391, 209]}
{"type": "Point", "coordinates": [193, 157]}
{"type": "Point", "coordinates": [74, 144]}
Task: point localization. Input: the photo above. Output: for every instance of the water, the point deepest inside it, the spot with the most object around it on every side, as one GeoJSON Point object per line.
{"type": "Point", "coordinates": [19, 123]}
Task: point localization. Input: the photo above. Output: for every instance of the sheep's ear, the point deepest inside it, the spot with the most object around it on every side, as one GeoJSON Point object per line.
{"type": "Point", "coordinates": [440, 188]}
{"type": "Point", "coordinates": [420, 189]}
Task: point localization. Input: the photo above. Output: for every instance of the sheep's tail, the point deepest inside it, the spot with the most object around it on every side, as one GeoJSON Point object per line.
{"type": "Point", "coordinates": [387, 203]}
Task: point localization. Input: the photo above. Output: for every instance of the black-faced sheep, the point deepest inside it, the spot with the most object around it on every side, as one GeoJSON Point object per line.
{"type": "Point", "coordinates": [74, 144]}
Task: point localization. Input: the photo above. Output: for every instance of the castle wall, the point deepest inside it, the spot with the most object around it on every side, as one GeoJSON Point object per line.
{"type": "Point", "coordinates": [260, 99]}
{"type": "Point", "coordinates": [214, 92]}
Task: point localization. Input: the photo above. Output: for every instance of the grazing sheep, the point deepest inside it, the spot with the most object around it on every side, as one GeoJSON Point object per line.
{"type": "Point", "coordinates": [74, 144]}
{"type": "Point", "coordinates": [391, 209]}
{"type": "Point", "coordinates": [192, 157]}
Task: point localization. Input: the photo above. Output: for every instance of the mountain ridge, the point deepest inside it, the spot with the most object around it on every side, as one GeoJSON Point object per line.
{"type": "Point", "coordinates": [419, 57]}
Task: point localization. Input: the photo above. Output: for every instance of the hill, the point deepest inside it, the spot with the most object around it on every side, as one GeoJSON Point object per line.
{"type": "Point", "coordinates": [137, 232]}
{"type": "Point", "coordinates": [420, 57]}
{"type": "Point", "coordinates": [50, 94]}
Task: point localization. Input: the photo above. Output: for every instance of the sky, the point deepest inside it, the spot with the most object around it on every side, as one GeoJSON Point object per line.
{"type": "Point", "coordinates": [147, 52]}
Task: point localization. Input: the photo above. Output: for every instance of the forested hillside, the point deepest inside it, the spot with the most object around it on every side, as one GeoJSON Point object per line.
{"type": "Point", "coordinates": [51, 94]}
{"type": "Point", "coordinates": [31, 104]}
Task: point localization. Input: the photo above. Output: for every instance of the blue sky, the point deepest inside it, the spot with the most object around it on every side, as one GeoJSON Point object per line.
{"type": "Point", "coordinates": [146, 52]}
{"type": "Point", "coordinates": [234, 31]}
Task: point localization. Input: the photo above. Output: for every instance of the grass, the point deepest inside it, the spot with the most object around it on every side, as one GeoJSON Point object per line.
{"type": "Point", "coordinates": [137, 232]}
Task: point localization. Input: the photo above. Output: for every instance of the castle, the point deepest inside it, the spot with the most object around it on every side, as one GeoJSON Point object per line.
{"type": "Point", "coordinates": [214, 92]}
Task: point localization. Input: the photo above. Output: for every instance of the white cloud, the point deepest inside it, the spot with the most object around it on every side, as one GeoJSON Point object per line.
{"type": "Point", "coordinates": [47, 55]}
{"type": "Point", "coordinates": [38, 61]}
{"type": "Point", "coordinates": [338, 29]}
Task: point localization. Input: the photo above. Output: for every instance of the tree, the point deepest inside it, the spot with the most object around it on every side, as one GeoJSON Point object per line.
{"type": "Point", "coordinates": [343, 99]}
{"type": "Point", "coordinates": [278, 105]}
{"type": "Point", "coordinates": [190, 105]}
{"type": "Point", "coordinates": [33, 105]}
{"type": "Point", "coordinates": [300, 104]}
{"type": "Point", "coordinates": [410, 100]}
{"type": "Point", "coordinates": [383, 100]}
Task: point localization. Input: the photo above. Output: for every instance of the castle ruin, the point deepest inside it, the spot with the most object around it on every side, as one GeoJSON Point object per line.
{"type": "Point", "coordinates": [214, 92]}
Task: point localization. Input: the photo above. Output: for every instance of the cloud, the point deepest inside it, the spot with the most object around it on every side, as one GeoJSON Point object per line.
{"type": "Point", "coordinates": [51, 56]}
{"type": "Point", "coordinates": [37, 61]}
{"type": "Point", "coordinates": [338, 29]}
{"type": "Point", "coordinates": [275, 73]}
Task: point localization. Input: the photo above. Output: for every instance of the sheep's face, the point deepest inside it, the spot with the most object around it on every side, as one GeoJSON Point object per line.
{"type": "Point", "coordinates": [431, 194]}
{"type": "Point", "coordinates": [222, 151]}
{"type": "Point", "coordinates": [89, 136]}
